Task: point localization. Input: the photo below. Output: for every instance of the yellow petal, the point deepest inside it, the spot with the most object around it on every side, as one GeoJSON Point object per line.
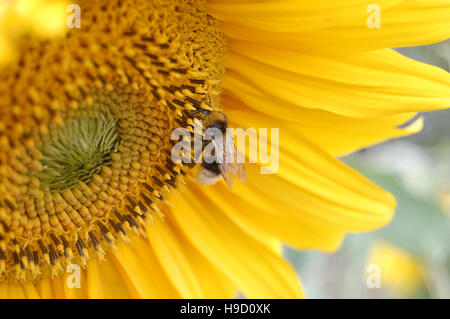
{"type": "Point", "coordinates": [3, 291]}
{"type": "Point", "coordinates": [19, 292]}
{"type": "Point", "coordinates": [257, 213]}
{"type": "Point", "coordinates": [44, 288]}
{"type": "Point", "coordinates": [170, 252]}
{"type": "Point", "coordinates": [334, 133]}
{"type": "Point", "coordinates": [369, 84]}
{"type": "Point", "coordinates": [312, 183]}
{"type": "Point", "coordinates": [12, 291]}
{"type": "Point", "coordinates": [213, 282]}
{"type": "Point", "coordinates": [104, 281]}
{"type": "Point", "coordinates": [73, 292]}
{"type": "Point", "coordinates": [293, 16]}
{"type": "Point", "coordinates": [324, 26]}
{"type": "Point", "coordinates": [61, 289]}
{"type": "Point", "coordinates": [57, 288]}
{"type": "Point", "coordinates": [254, 268]}
{"type": "Point", "coordinates": [141, 271]}
{"type": "Point", "coordinates": [94, 281]}
{"type": "Point", "coordinates": [31, 291]}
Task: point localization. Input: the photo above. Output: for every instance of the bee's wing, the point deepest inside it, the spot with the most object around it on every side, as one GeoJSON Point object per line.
{"type": "Point", "coordinates": [239, 166]}
{"type": "Point", "coordinates": [221, 160]}
{"type": "Point", "coordinates": [229, 161]}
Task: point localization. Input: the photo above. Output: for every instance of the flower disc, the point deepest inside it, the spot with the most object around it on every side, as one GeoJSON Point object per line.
{"type": "Point", "coordinates": [85, 127]}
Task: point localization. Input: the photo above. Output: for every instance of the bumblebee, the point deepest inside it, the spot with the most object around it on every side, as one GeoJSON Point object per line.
{"type": "Point", "coordinates": [227, 163]}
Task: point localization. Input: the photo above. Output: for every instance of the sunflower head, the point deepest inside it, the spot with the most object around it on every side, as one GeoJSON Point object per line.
{"type": "Point", "coordinates": [85, 128]}
{"type": "Point", "coordinates": [87, 115]}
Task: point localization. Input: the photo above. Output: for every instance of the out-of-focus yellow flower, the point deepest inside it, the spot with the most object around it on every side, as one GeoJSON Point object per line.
{"type": "Point", "coordinates": [400, 272]}
{"type": "Point", "coordinates": [444, 202]}
{"type": "Point", "coordinates": [40, 18]}
{"type": "Point", "coordinates": [5, 49]}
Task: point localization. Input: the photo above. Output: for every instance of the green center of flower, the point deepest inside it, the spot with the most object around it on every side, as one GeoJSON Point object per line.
{"type": "Point", "coordinates": [78, 150]}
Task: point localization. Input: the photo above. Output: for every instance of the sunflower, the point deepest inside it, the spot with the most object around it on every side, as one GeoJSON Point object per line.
{"type": "Point", "coordinates": [86, 175]}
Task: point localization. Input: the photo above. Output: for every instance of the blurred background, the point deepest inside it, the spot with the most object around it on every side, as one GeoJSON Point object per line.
{"type": "Point", "coordinates": [412, 253]}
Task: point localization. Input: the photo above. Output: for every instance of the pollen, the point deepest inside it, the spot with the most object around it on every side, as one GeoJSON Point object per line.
{"type": "Point", "coordinates": [85, 127]}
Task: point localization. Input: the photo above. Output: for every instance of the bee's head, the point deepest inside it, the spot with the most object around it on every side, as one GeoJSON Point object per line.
{"type": "Point", "coordinates": [216, 119]}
